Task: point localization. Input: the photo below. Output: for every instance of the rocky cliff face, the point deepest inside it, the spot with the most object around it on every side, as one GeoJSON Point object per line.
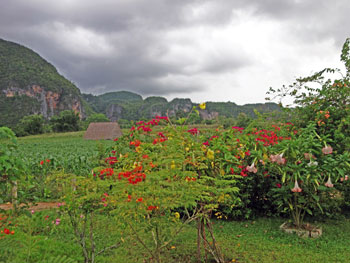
{"type": "Point", "coordinates": [51, 103]}
{"type": "Point", "coordinates": [114, 112]}
{"type": "Point", "coordinates": [206, 115]}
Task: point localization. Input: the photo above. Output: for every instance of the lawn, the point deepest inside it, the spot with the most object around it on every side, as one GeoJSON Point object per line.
{"type": "Point", "coordinates": [39, 240]}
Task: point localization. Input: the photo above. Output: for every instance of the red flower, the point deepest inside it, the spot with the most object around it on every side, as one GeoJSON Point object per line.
{"type": "Point", "coordinates": [139, 123]}
{"type": "Point", "coordinates": [152, 207]}
{"type": "Point", "coordinates": [116, 139]}
{"type": "Point", "coordinates": [162, 118]}
{"type": "Point", "coordinates": [139, 200]}
{"type": "Point", "coordinates": [48, 160]}
{"type": "Point", "coordinates": [6, 231]}
{"type": "Point", "coordinates": [278, 185]}
{"type": "Point", "coordinates": [193, 131]}
{"type": "Point", "coordinates": [41, 162]}
{"type": "Point", "coordinates": [146, 129]}
{"type": "Point", "coordinates": [107, 172]}
{"type": "Point", "coordinates": [161, 134]}
{"type": "Point", "coordinates": [238, 129]}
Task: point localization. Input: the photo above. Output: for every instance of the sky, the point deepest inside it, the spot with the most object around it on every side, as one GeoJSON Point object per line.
{"type": "Point", "coordinates": [205, 50]}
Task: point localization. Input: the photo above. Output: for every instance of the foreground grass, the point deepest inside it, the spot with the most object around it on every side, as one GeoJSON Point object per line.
{"type": "Point", "coordinates": [241, 241]}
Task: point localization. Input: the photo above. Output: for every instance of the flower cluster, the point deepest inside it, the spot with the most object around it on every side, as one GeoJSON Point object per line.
{"type": "Point", "coordinates": [7, 231]}
{"type": "Point", "coordinates": [47, 161]}
{"type": "Point", "coordinates": [239, 129]}
{"type": "Point", "coordinates": [135, 176]}
{"type": "Point", "coordinates": [106, 172]}
{"type": "Point", "coordinates": [193, 131]}
{"type": "Point", "coordinates": [135, 143]}
{"type": "Point", "coordinates": [111, 160]}
{"type": "Point", "coordinates": [152, 207]}
{"type": "Point", "coordinates": [268, 137]}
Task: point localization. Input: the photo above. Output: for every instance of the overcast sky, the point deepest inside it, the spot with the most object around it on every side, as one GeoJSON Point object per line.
{"type": "Point", "coordinates": [206, 50]}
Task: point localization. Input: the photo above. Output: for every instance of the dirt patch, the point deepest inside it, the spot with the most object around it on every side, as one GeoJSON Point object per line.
{"type": "Point", "coordinates": [36, 207]}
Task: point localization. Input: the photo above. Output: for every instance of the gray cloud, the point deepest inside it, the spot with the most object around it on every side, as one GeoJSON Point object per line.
{"type": "Point", "coordinates": [112, 45]}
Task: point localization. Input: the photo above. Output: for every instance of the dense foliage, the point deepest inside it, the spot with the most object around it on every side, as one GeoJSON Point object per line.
{"type": "Point", "coordinates": [66, 121]}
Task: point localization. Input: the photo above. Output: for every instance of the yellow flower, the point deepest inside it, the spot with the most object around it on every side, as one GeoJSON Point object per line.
{"type": "Point", "coordinates": [210, 154]}
{"type": "Point", "coordinates": [202, 106]}
{"type": "Point", "coordinates": [177, 215]}
{"type": "Point", "coordinates": [172, 166]}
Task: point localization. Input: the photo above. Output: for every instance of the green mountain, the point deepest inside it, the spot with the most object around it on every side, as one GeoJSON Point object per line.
{"type": "Point", "coordinates": [31, 85]}
{"type": "Point", "coordinates": [131, 106]}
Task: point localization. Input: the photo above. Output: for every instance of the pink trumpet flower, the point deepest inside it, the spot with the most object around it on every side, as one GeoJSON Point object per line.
{"type": "Point", "coordinates": [251, 168]}
{"type": "Point", "coordinates": [329, 182]}
{"type": "Point", "coordinates": [296, 188]}
{"type": "Point", "coordinates": [327, 150]}
{"type": "Point", "coordinates": [278, 158]}
{"type": "Point", "coordinates": [344, 178]}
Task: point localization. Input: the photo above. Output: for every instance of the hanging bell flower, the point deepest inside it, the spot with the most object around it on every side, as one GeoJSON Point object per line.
{"type": "Point", "coordinates": [296, 188]}
{"type": "Point", "coordinates": [329, 182]}
{"type": "Point", "coordinates": [278, 158]}
{"type": "Point", "coordinates": [252, 168]}
{"type": "Point", "coordinates": [327, 150]}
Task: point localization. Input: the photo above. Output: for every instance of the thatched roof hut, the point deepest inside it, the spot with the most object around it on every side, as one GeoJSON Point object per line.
{"type": "Point", "coordinates": [103, 131]}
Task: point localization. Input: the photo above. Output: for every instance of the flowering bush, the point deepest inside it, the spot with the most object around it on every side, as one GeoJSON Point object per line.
{"type": "Point", "coordinates": [303, 170]}
{"type": "Point", "coordinates": [162, 179]}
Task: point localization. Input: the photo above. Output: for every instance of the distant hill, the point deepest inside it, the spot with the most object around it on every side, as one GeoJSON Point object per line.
{"type": "Point", "coordinates": [131, 106]}
{"type": "Point", "coordinates": [31, 85]}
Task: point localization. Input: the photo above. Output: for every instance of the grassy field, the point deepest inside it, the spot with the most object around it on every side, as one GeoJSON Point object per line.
{"type": "Point", "coordinates": [68, 151]}
{"type": "Point", "coordinates": [241, 241]}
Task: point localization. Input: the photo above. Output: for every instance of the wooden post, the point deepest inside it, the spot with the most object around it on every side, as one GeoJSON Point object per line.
{"type": "Point", "coordinates": [14, 193]}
